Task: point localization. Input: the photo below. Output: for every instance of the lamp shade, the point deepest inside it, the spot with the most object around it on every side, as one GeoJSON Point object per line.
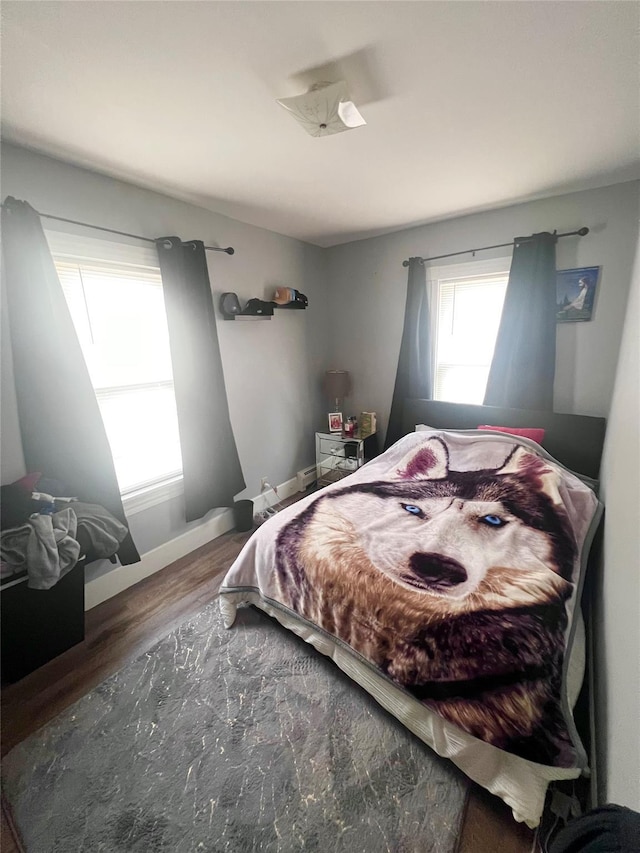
{"type": "Point", "coordinates": [337, 384]}
{"type": "Point", "coordinates": [324, 110]}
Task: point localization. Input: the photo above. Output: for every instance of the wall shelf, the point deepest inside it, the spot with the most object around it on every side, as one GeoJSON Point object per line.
{"type": "Point", "coordinates": [250, 317]}
{"type": "Point", "coordinates": [230, 307]}
{"type": "Point", "coordinates": [257, 316]}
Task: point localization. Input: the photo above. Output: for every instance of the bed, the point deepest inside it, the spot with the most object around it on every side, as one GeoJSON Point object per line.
{"type": "Point", "coordinates": [445, 578]}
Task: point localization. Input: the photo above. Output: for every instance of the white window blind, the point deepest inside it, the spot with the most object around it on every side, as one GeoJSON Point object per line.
{"type": "Point", "coordinates": [118, 311]}
{"type": "Point", "coordinates": [467, 319]}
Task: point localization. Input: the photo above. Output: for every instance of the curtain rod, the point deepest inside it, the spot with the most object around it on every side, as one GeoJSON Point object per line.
{"type": "Point", "coordinates": [229, 250]}
{"type": "Point", "coordinates": [581, 232]}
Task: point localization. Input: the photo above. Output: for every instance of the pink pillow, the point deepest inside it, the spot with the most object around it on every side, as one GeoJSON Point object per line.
{"type": "Point", "coordinates": [533, 433]}
{"type": "Point", "coordinates": [28, 483]}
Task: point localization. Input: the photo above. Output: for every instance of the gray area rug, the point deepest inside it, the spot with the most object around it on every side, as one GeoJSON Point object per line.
{"type": "Point", "coordinates": [241, 740]}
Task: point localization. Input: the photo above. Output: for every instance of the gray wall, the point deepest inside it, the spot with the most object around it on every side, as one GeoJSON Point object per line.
{"type": "Point", "coordinates": [618, 602]}
{"type": "Point", "coordinates": [272, 368]}
{"type": "Point", "coordinates": [367, 286]}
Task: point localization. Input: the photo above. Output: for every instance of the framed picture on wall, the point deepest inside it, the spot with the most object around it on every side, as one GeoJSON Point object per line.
{"type": "Point", "coordinates": [575, 294]}
{"type": "Point", "coordinates": [335, 421]}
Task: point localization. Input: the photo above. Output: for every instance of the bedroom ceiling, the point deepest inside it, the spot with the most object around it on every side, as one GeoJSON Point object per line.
{"type": "Point", "coordinates": [469, 105]}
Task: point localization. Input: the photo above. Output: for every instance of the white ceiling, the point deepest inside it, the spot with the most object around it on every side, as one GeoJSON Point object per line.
{"type": "Point", "coordinates": [469, 105]}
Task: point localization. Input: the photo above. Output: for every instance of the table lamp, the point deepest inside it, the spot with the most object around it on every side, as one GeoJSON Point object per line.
{"type": "Point", "coordinates": [337, 385]}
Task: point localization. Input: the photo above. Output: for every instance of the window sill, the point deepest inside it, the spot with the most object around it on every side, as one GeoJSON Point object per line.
{"type": "Point", "coordinates": [145, 498]}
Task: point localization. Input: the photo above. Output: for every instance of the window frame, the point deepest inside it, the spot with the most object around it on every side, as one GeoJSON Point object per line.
{"type": "Point", "coordinates": [71, 246]}
{"type": "Point", "coordinates": [443, 271]}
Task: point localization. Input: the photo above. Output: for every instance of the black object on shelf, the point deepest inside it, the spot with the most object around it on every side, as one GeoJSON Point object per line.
{"type": "Point", "coordinates": [255, 309]}
{"type": "Point", "coordinates": [259, 308]}
{"type": "Point", "coordinates": [39, 624]}
{"type": "Point", "coordinates": [299, 301]}
{"type": "Point", "coordinates": [229, 305]}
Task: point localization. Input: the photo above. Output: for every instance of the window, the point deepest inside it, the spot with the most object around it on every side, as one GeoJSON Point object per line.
{"type": "Point", "coordinates": [468, 301]}
{"type": "Point", "coordinates": [114, 294]}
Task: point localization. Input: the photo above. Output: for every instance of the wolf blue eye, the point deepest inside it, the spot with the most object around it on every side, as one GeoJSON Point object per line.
{"type": "Point", "coordinates": [493, 520]}
{"type": "Point", "coordinates": [414, 510]}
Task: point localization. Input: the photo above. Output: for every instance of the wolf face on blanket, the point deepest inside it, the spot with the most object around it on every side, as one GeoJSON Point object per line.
{"type": "Point", "coordinates": [452, 583]}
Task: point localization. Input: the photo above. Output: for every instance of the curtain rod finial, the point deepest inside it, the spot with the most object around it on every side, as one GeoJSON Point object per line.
{"type": "Point", "coordinates": [230, 250]}
{"type": "Point", "coordinates": [583, 231]}
{"type": "Point", "coordinates": [405, 263]}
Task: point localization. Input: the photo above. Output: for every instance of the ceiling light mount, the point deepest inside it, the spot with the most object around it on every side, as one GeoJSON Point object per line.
{"type": "Point", "coordinates": [324, 110]}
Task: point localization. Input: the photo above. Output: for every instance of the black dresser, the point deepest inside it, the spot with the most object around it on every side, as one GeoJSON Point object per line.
{"type": "Point", "coordinates": [39, 624]}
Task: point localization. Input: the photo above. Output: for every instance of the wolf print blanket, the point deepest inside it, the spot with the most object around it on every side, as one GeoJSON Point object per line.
{"type": "Point", "coordinates": [451, 564]}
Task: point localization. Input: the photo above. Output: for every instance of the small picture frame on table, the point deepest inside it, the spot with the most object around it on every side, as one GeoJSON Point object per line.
{"type": "Point", "coordinates": [335, 421]}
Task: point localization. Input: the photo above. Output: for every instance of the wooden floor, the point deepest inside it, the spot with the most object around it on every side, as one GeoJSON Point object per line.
{"type": "Point", "coordinates": [128, 624]}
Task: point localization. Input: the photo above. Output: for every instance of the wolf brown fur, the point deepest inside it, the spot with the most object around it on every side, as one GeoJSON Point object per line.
{"type": "Point", "coordinates": [488, 660]}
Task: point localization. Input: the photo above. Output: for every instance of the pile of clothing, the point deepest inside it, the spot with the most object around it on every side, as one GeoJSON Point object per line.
{"type": "Point", "coordinates": [45, 534]}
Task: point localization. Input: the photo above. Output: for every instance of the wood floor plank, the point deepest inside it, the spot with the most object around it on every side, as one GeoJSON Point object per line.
{"type": "Point", "coordinates": [127, 625]}
{"type": "Point", "coordinates": [489, 827]}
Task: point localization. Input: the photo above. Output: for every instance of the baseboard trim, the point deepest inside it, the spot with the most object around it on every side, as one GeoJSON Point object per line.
{"type": "Point", "coordinates": [120, 578]}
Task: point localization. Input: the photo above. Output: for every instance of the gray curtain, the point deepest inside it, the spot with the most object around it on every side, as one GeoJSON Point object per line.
{"type": "Point", "coordinates": [63, 436]}
{"type": "Point", "coordinates": [414, 375]}
{"type": "Point", "coordinates": [211, 467]}
{"type": "Point", "coordinates": [524, 360]}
